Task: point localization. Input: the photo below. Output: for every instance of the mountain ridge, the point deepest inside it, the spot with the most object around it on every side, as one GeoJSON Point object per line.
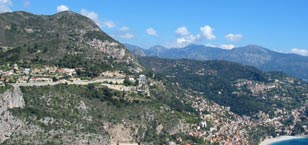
{"type": "Point", "coordinates": [65, 39]}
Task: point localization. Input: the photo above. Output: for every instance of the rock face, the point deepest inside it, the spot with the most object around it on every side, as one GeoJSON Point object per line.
{"type": "Point", "coordinates": [107, 47]}
{"type": "Point", "coordinates": [120, 134]}
{"type": "Point", "coordinates": [8, 123]}
{"type": "Point", "coordinates": [15, 98]}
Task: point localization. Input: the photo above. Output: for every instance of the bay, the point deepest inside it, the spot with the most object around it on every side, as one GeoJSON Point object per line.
{"type": "Point", "coordinates": [299, 141]}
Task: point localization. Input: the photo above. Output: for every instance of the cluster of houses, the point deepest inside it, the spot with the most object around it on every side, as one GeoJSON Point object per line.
{"type": "Point", "coordinates": [218, 124]}
{"type": "Point", "coordinates": [36, 74]}
{"type": "Point", "coordinates": [222, 126]}
{"type": "Point", "coordinates": [117, 83]}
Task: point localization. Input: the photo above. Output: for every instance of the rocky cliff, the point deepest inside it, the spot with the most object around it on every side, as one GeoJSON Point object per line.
{"type": "Point", "coordinates": [8, 123]}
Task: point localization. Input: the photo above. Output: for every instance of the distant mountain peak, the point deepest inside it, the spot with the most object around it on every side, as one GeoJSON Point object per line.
{"type": "Point", "coordinates": [254, 46]}
{"type": "Point", "coordinates": [158, 48]}
{"type": "Point", "coordinates": [253, 49]}
{"type": "Point", "coordinates": [69, 14]}
{"type": "Point", "coordinates": [20, 13]}
{"type": "Point", "coordinates": [194, 45]}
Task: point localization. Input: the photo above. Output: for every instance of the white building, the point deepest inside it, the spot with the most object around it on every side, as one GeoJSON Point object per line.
{"type": "Point", "coordinates": [142, 79]}
{"type": "Point", "coordinates": [143, 87]}
{"type": "Point", "coordinates": [203, 124]}
{"type": "Point", "coordinates": [27, 71]}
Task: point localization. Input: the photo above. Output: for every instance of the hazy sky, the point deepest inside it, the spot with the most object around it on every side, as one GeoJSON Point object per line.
{"type": "Point", "coordinates": [280, 25]}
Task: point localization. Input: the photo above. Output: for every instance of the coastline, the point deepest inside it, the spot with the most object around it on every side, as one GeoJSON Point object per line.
{"type": "Point", "coordinates": [278, 139]}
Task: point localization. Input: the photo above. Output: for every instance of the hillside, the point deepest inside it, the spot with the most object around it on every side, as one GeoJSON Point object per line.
{"type": "Point", "coordinates": [64, 81]}
{"type": "Point", "coordinates": [269, 103]}
{"type": "Point", "coordinates": [189, 102]}
{"type": "Point", "coordinates": [66, 114]}
{"type": "Point", "coordinates": [246, 90]}
{"type": "Point", "coordinates": [65, 39]}
{"type": "Point", "coordinates": [262, 58]}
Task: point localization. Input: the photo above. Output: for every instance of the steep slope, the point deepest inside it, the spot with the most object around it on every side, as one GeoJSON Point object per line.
{"type": "Point", "coordinates": [53, 112]}
{"type": "Point", "coordinates": [245, 89]}
{"type": "Point", "coordinates": [64, 39]}
{"type": "Point", "coordinates": [267, 104]}
{"type": "Point", "coordinates": [262, 58]}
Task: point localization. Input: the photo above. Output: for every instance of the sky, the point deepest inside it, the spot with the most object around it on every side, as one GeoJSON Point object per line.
{"type": "Point", "coordinates": [279, 25]}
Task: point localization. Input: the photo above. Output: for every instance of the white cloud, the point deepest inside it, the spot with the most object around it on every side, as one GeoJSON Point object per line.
{"type": "Point", "coordinates": [92, 15]}
{"type": "Point", "coordinates": [62, 8]}
{"type": "Point", "coordinates": [151, 31]}
{"type": "Point", "coordinates": [185, 37]}
{"type": "Point", "coordinates": [108, 24]}
{"type": "Point", "coordinates": [126, 36]}
{"type": "Point", "coordinates": [227, 46]}
{"type": "Point", "coordinates": [298, 51]}
{"type": "Point", "coordinates": [182, 31]}
{"type": "Point", "coordinates": [234, 37]}
{"type": "Point", "coordinates": [5, 6]}
{"type": "Point", "coordinates": [123, 29]}
{"type": "Point", "coordinates": [124, 33]}
{"type": "Point", "coordinates": [182, 41]}
{"type": "Point", "coordinates": [207, 32]}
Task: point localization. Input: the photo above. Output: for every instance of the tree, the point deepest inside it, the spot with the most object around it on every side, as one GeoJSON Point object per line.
{"type": "Point", "coordinates": [126, 82]}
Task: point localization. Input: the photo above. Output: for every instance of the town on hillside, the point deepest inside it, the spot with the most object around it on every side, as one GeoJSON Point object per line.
{"type": "Point", "coordinates": [42, 75]}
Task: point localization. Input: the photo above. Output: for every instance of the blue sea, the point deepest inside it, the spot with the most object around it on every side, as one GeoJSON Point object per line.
{"type": "Point", "coordinates": [300, 141]}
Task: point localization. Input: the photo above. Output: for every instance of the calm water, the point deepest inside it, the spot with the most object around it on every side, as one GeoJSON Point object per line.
{"type": "Point", "coordinates": [301, 141]}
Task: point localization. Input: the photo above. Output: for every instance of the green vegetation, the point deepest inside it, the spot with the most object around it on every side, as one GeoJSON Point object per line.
{"type": "Point", "coordinates": [62, 106]}
{"type": "Point", "coordinates": [171, 96]}
{"type": "Point", "coordinates": [216, 81]}
{"type": "Point", "coordinates": [4, 88]}
{"type": "Point", "coordinates": [98, 35]}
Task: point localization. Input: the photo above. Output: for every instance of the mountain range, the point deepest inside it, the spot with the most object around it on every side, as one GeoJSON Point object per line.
{"type": "Point", "coordinates": [253, 55]}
